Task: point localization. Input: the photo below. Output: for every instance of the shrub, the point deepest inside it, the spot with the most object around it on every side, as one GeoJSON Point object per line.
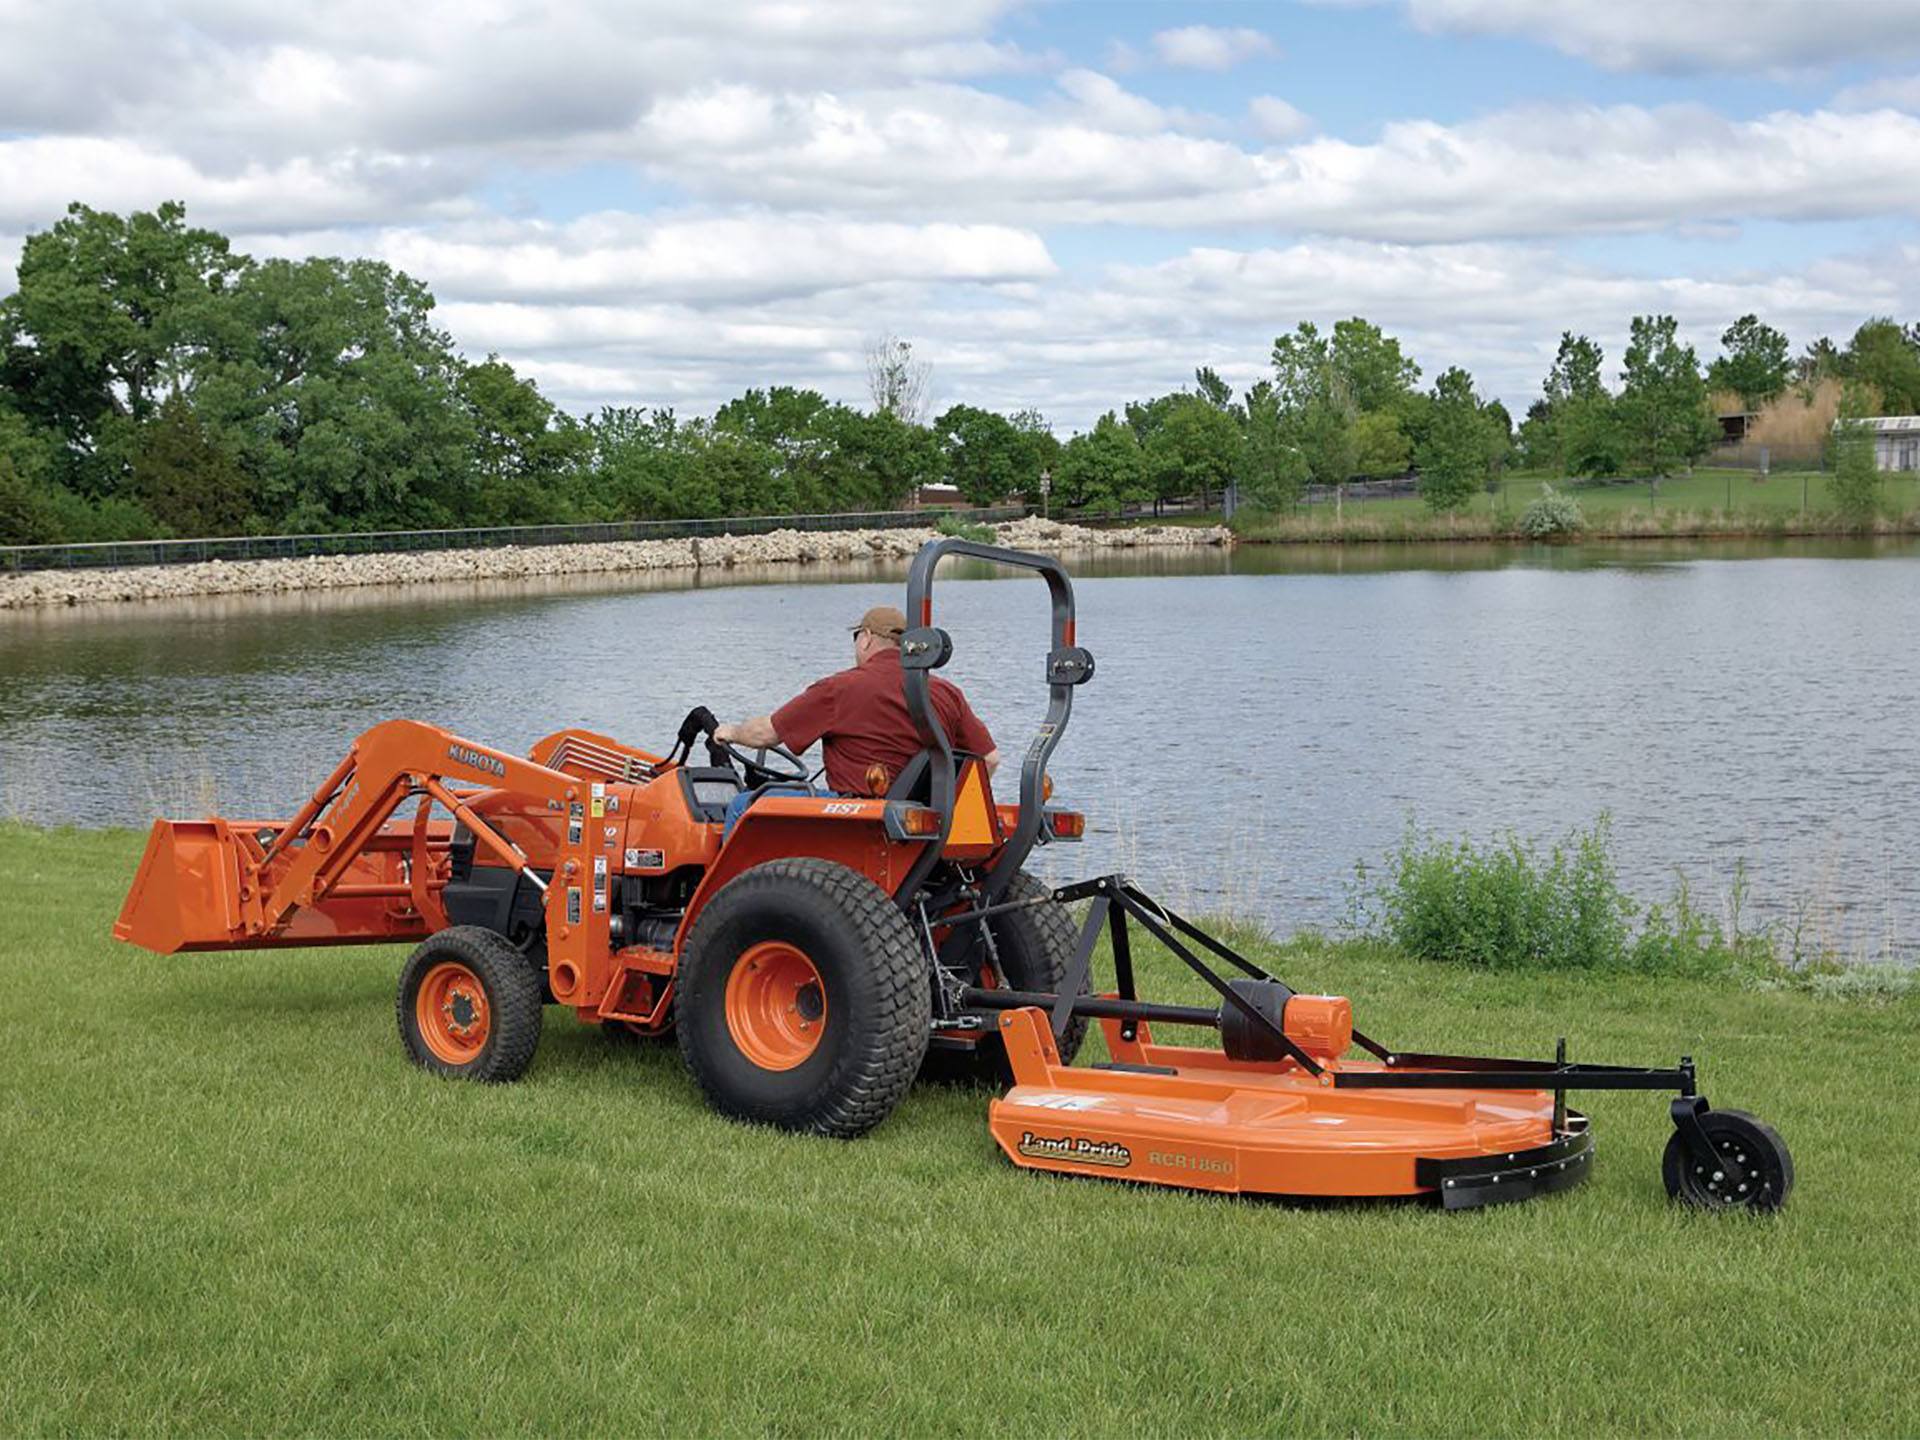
{"type": "Point", "coordinates": [1507, 906]}
{"type": "Point", "coordinates": [1552, 514]}
{"type": "Point", "coordinates": [958, 529]}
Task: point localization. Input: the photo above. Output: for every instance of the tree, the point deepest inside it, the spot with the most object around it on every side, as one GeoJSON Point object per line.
{"type": "Point", "coordinates": [110, 314]}
{"type": "Point", "coordinates": [1757, 363]}
{"type": "Point", "coordinates": [986, 456]}
{"type": "Point", "coordinates": [1453, 461]}
{"type": "Point", "coordinates": [524, 448]}
{"type": "Point", "coordinates": [1102, 468]}
{"type": "Point", "coordinates": [184, 479]}
{"type": "Point", "coordinates": [1886, 357]}
{"type": "Point", "coordinates": [1499, 427]}
{"type": "Point", "coordinates": [1576, 434]}
{"type": "Point", "coordinates": [1378, 376]}
{"type": "Point", "coordinates": [897, 383]}
{"type": "Point", "coordinates": [1662, 407]}
{"type": "Point", "coordinates": [1380, 446]}
{"type": "Point", "coordinates": [1208, 385]}
{"type": "Point", "coordinates": [798, 426]}
{"type": "Point", "coordinates": [1194, 447]}
{"type": "Point", "coordinates": [1856, 483]}
{"type": "Point", "coordinates": [1273, 469]}
{"type": "Point", "coordinates": [341, 398]}
{"type": "Point", "coordinates": [1576, 370]}
{"type": "Point", "coordinates": [1043, 451]}
{"type": "Point", "coordinates": [892, 458]}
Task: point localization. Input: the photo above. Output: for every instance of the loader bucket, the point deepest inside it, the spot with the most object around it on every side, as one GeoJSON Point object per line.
{"type": "Point", "coordinates": [185, 895]}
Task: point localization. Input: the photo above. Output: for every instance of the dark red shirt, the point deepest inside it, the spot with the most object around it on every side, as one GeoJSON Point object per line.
{"type": "Point", "coordinates": [862, 716]}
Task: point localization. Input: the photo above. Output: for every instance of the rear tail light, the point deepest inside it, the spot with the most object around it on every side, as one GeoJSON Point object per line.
{"type": "Point", "coordinates": [1066, 824]}
{"type": "Point", "coordinates": [912, 822]}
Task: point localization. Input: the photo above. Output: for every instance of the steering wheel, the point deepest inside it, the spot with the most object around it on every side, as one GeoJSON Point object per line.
{"type": "Point", "coordinates": [701, 721]}
{"type": "Point", "coordinates": [791, 770]}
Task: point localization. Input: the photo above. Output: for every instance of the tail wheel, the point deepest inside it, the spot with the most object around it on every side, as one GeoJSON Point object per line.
{"type": "Point", "coordinates": [1034, 946]}
{"type": "Point", "coordinates": [802, 999]}
{"type": "Point", "coordinates": [469, 1005]}
{"type": "Point", "coordinates": [1764, 1164]}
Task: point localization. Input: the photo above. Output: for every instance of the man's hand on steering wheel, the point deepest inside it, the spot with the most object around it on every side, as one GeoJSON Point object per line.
{"type": "Point", "coordinates": [791, 769]}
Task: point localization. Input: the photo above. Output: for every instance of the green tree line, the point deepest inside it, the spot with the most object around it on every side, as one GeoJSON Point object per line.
{"type": "Point", "coordinates": [155, 382]}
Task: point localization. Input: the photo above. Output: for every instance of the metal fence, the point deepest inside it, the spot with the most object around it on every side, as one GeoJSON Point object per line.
{"type": "Point", "coordinates": [117, 554]}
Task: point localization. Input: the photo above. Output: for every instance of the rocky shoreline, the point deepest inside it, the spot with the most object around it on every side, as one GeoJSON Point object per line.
{"type": "Point", "coordinates": [330, 572]}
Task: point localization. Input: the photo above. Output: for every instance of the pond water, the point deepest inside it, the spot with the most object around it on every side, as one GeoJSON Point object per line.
{"type": "Point", "coordinates": [1260, 720]}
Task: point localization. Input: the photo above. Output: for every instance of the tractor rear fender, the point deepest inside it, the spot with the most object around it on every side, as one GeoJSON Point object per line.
{"type": "Point", "coordinates": [852, 833]}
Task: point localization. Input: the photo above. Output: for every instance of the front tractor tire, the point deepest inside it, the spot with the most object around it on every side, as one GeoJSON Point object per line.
{"type": "Point", "coordinates": [470, 1005]}
{"type": "Point", "coordinates": [802, 1000]}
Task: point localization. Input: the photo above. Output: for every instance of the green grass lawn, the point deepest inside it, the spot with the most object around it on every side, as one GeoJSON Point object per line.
{"type": "Point", "coordinates": [228, 1205]}
{"type": "Point", "coordinates": [1719, 499]}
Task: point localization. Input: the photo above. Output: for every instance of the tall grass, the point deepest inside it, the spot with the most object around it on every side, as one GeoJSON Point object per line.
{"type": "Point", "coordinates": [1508, 904]}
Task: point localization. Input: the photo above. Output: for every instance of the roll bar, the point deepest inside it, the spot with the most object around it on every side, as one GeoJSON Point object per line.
{"type": "Point", "coordinates": [925, 647]}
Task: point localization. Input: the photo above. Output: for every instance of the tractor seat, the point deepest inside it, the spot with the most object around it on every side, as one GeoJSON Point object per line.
{"type": "Point", "coordinates": [709, 790]}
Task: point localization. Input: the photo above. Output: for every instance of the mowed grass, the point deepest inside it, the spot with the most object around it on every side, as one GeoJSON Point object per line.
{"type": "Point", "coordinates": [228, 1205]}
{"type": "Point", "coordinates": [1709, 500]}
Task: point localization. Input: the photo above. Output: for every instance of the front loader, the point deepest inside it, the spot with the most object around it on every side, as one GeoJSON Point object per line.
{"type": "Point", "coordinates": [819, 953]}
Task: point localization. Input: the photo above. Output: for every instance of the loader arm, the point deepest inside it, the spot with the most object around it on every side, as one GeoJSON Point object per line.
{"type": "Point", "coordinates": [338, 871]}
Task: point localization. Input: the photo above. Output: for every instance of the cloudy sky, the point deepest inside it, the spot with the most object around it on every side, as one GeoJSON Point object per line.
{"type": "Point", "coordinates": [1062, 205]}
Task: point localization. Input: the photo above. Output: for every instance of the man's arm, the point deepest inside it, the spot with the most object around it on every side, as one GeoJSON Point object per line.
{"type": "Point", "coordinates": [755, 734]}
{"type": "Point", "coordinates": [992, 761]}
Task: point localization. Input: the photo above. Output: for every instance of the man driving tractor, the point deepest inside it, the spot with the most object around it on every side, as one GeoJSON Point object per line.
{"type": "Point", "coordinates": [860, 715]}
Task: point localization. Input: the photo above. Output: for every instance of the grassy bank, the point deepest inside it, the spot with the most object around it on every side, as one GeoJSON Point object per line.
{"type": "Point", "coordinates": [227, 1205]}
{"type": "Point", "coordinates": [1706, 503]}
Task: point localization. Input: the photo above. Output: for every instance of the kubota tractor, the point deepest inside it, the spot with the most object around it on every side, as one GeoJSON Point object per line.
{"type": "Point", "coordinates": [811, 957]}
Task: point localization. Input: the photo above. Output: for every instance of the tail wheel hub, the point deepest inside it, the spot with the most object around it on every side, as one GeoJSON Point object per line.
{"type": "Point", "coordinates": [776, 1005]}
{"type": "Point", "coordinates": [451, 1011]}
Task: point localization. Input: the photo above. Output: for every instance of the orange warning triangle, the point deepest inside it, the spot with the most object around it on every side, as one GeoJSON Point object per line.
{"type": "Point", "coordinates": [973, 817]}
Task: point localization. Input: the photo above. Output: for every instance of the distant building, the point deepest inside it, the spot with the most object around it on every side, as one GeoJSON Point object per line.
{"type": "Point", "coordinates": [1896, 441]}
{"type": "Point", "coordinates": [938, 496]}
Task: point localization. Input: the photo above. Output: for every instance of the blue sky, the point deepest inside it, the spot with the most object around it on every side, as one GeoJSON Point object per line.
{"type": "Point", "coordinates": [1061, 205]}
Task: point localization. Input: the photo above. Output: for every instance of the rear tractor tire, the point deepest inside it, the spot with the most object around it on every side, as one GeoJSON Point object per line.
{"type": "Point", "coordinates": [802, 1000]}
{"type": "Point", "coordinates": [1034, 947]}
{"type": "Point", "coordinates": [470, 1005]}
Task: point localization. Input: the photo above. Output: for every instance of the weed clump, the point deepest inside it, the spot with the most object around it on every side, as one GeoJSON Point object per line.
{"type": "Point", "coordinates": [1506, 905]}
{"type": "Point", "coordinates": [958, 529]}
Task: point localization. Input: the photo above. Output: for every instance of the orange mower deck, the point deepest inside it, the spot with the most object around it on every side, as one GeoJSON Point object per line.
{"type": "Point", "coordinates": [1190, 1117]}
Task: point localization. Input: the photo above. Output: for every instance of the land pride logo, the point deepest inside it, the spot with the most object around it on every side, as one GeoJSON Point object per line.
{"type": "Point", "coordinates": [1069, 1147]}
{"type": "Point", "coordinates": [469, 756]}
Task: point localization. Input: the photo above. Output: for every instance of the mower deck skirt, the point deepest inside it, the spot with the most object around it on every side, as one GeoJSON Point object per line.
{"type": "Point", "coordinates": [1190, 1117]}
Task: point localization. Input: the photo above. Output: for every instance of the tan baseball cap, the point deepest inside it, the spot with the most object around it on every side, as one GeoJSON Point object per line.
{"type": "Point", "coordinates": [884, 621]}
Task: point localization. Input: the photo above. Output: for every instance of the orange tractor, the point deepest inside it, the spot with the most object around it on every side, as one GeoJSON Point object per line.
{"type": "Point", "coordinates": [813, 957]}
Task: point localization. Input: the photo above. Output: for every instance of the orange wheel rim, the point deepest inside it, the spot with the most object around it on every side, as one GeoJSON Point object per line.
{"type": "Point", "coordinates": [450, 1009]}
{"type": "Point", "coordinates": [776, 1005]}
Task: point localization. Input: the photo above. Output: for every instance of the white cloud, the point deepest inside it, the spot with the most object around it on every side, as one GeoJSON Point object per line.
{"type": "Point", "coordinates": [1687, 36]}
{"type": "Point", "coordinates": [1540, 170]}
{"type": "Point", "coordinates": [1275, 119]}
{"type": "Point", "coordinates": [40, 175]}
{"type": "Point", "coordinates": [1078, 345]}
{"type": "Point", "coordinates": [1208, 47]}
{"type": "Point", "coordinates": [734, 259]}
{"type": "Point", "coordinates": [1900, 92]}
